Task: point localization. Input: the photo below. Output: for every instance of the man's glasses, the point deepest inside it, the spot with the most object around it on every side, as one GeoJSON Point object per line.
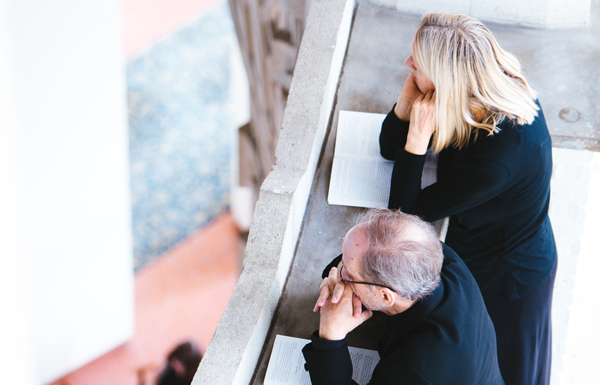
{"type": "Point", "coordinates": [361, 283]}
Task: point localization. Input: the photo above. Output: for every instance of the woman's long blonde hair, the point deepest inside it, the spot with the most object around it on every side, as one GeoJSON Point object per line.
{"type": "Point", "coordinates": [470, 72]}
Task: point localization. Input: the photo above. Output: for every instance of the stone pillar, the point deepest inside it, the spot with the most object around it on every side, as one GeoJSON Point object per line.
{"type": "Point", "coordinates": [269, 33]}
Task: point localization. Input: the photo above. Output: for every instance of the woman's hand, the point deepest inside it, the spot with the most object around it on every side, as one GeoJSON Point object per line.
{"type": "Point", "coordinates": [422, 124]}
{"type": "Point", "coordinates": [410, 92]}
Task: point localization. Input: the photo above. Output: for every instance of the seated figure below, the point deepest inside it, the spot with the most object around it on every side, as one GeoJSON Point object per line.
{"type": "Point", "coordinates": [438, 329]}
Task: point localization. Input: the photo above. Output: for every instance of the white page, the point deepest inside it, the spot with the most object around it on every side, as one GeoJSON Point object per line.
{"type": "Point", "coordinates": [358, 135]}
{"type": "Point", "coordinates": [363, 364]}
{"type": "Point", "coordinates": [360, 182]}
{"type": "Point", "coordinates": [429, 176]}
{"type": "Point", "coordinates": [429, 169]}
{"type": "Point", "coordinates": [286, 365]}
{"type": "Point", "coordinates": [360, 176]}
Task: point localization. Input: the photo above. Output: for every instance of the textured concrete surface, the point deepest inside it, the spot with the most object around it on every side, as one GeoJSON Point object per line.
{"type": "Point", "coordinates": [559, 65]}
{"type": "Point", "coordinates": [536, 13]}
{"type": "Point", "coordinates": [582, 340]}
{"type": "Point", "coordinates": [574, 212]}
{"type": "Point", "coordinates": [234, 351]}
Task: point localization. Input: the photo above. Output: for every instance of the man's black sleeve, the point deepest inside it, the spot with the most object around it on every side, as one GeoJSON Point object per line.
{"type": "Point", "coordinates": [328, 362]}
{"type": "Point", "coordinates": [333, 263]}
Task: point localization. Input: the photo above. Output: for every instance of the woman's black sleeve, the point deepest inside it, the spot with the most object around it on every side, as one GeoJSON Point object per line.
{"type": "Point", "coordinates": [406, 180]}
{"type": "Point", "coordinates": [393, 134]}
{"type": "Point", "coordinates": [476, 180]}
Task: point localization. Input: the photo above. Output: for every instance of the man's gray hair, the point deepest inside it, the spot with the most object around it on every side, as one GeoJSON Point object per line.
{"type": "Point", "coordinates": [404, 252]}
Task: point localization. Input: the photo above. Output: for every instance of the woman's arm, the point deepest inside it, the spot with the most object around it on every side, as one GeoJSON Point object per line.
{"type": "Point", "coordinates": [422, 124]}
{"type": "Point", "coordinates": [393, 134]}
{"type": "Point", "coordinates": [394, 129]}
{"type": "Point", "coordinates": [476, 180]}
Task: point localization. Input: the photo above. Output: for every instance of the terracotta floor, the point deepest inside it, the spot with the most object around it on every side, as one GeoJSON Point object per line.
{"type": "Point", "coordinates": [179, 296]}
{"type": "Point", "coordinates": [147, 21]}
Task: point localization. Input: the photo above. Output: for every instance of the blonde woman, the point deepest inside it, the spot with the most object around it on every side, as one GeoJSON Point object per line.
{"type": "Point", "coordinates": [467, 99]}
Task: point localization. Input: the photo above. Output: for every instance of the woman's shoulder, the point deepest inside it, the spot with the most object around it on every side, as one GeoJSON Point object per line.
{"type": "Point", "coordinates": [535, 134]}
{"type": "Point", "coordinates": [487, 144]}
{"type": "Point", "coordinates": [511, 135]}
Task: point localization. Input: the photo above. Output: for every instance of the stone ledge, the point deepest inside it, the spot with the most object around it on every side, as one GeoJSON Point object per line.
{"type": "Point", "coordinates": [572, 143]}
{"type": "Point", "coordinates": [235, 348]}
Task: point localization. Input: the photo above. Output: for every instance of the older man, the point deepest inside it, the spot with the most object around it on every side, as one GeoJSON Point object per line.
{"type": "Point", "coordinates": [438, 332]}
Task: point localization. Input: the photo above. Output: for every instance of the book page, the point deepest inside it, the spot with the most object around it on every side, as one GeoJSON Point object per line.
{"type": "Point", "coordinates": [360, 183]}
{"type": "Point", "coordinates": [286, 365]}
{"type": "Point", "coordinates": [360, 176]}
{"type": "Point", "coordinates": [429, 176]}
{"type": "Point", "coordinates": [429, 169]}
{"type": "Point", "coordinates": [363, 364]}
{"type": "Point", "coordinates": [358, 135]}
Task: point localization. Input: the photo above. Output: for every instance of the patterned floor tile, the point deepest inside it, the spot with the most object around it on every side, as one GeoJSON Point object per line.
{"type": "Point", "coordinates": [180, 135]}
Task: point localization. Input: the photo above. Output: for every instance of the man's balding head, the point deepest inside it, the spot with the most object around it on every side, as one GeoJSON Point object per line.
{"type": "Point", "coordinates": [401, 251]}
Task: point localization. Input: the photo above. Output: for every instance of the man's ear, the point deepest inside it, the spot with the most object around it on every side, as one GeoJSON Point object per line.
{"type": "Point", "coordinates": [387, 296]}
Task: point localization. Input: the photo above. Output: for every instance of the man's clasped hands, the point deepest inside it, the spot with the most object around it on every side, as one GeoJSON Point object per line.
{"type": "Point", "coordinates": [341, 310]}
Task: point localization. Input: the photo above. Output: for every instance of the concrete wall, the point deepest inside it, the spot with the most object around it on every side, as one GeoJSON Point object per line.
{"type": "Point", "coordinates": [66, 279]}
{"type": "Point", "coordinates": [269, 33]}
{"type": "Point", "coordinates": [233, 353]}
{"type": "Point", "coordinates": [535, 13]}
{"type": "Point", "coordinates": [231, 357]}
{"type": "Point", "coordinates": [574, 212]}
{"type": "Point", "coordinates": [582, 342]}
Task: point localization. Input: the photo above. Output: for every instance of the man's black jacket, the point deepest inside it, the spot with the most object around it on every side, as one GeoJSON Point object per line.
{"type": "Point", "coordinates": [447, 338]}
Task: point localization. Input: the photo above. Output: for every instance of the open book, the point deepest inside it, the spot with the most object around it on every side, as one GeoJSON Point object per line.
{"type": "Point", "coordinates": [286, 365]}
{"type": "Point", "coordinates": [360, 176]}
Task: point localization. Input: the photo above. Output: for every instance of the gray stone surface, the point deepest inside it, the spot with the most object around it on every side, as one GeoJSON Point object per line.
{"type": "Point", "coordinates": [286, 230]}
{"type": "Point", "coordinates": [556, 63]}
{"type": "Point", "coordinates": [561, 65]}
{"type": "Point", "coordinates": [234, 350]}
{"type": "Point", "coordinates": [570, 188]}
{"type": "Point", "coordinates": [574, 211]}
{"type": "Point", "coordinates": [536, 13]}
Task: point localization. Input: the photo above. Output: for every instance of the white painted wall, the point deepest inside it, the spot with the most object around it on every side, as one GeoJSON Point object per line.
{"type": "Point", "coordinates": [66, 275]}
{"type": "Point", "coordinates": [535, 13]}
{"type": "Point", "coordinates": [242, 197]}
{"type": "Point", "coordinates": [574, 212]}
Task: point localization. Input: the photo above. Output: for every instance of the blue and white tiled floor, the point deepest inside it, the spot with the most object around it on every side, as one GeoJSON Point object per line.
{"type": "Point", "coordinates": [180, 135]}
